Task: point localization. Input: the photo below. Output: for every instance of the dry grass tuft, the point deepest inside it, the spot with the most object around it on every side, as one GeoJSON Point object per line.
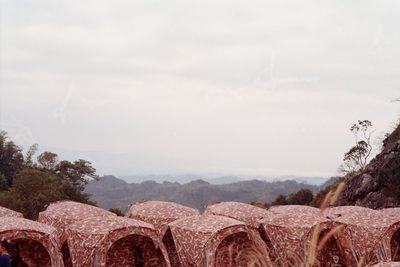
{"type": "Point", "coordinates": [254, 257]}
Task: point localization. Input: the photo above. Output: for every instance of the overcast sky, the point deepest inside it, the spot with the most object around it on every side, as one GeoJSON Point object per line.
{"type": "Point", "coordinates": [212, 86]}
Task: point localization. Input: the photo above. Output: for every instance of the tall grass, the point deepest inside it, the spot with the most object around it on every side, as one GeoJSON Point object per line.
{"type": "Point", "coordinates": [254, 257]}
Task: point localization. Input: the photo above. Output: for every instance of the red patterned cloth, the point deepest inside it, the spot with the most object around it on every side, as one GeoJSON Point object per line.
{"type": "Point", "coordinates": [295, 209]}
{"type": "Point", "coordinates": [4, 212]}
{"type": "Point", "coordinates": [159, 213]}
{"type": "Point", "coordinates": [392, 212]}
{"type": "Point", "coordinates": [37, 243]}
{"type": "Point", "coordinates": [203, 240]}
{"type": "Point", "coordinates": [387, 264]}
{"type": "Point", "coordinates": [368, 232]}
{"type": "Point", "coordinates": [291, 230]}
{"type": "Point", "coordinates": [115, 241]}
{"type": "Point", "coordinates": [62, 213]}
{"type": "Point", "coordinates": [246, 213]}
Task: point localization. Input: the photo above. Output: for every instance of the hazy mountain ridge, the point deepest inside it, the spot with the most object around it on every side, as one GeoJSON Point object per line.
{"type": "Point", "coordinates": [111, 192]}
{"type": "Point", "coordinates": [218, 180]}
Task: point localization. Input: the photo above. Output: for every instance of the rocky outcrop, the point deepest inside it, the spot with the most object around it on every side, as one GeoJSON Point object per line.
{"type": "Point", "coordinates": [378, 186]}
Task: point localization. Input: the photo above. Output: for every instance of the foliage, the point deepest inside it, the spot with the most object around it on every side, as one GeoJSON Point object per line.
{"type": "Point", "coordinates": [28, 186]}
{"type": "Point", "coordinates": [259, 204]}
{"type": "Point", "coordinates": [74, 175]}
{"type": "Point", "coordinates": [29, 156]}
{"type": "Point", "coordinates": [11, 158]}
{"type": "Point", "coordinates": [392, 137]}
{"type": "Point", "coordinates": [47, 160]}
{"type": "Point", "coordinates": [280, 200]}
{"type": "Point", "coordinates": [3, 183]}
{"type": "Point", "coordinates": [301, 197]}
{"type": "Point", "coordinates": [319, 198]}
{"type": "Point", "coordinates": [31, 192]}
{"type": "Point", "coordinates": [357, 157]}
{"type": "Point", "coordinates": [116, 211]}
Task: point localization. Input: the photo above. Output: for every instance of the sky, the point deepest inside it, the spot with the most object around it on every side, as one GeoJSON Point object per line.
{"type": "Point", "coordinates": [222, 87]}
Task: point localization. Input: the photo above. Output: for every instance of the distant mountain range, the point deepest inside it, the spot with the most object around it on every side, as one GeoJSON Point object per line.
{"type": "Point", "coordinates": [218, 180]}
{"type": "Point", "coordinates": [111, 192]}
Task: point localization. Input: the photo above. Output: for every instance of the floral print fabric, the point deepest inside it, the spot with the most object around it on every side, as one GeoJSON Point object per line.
{"type": "Point", "coordinates": [246, 213]}
{"type": "Point", "coordinates": [100, 241]}
{"type": "Point", "coordinates": [368, 232]}
{"type": "Point", "coordinates": [4, 212]}
{"type": "Point", "coordinates": [291, 230]}
{"type": "Point", "coordinates": [198, 239]}
{"type": "Point", "coordinates": [221, 237]}
{"type": "Point", "coordinates": [37, 243]}
{"type": "Point", "coordinates": [387, 264]}
{"type": "Point", "coordinates": [62, 213]}
{"type": "Point", "coordinates": [159, 213]}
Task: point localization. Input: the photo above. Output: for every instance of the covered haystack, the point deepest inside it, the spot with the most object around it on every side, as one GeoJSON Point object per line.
{"type": "Point", "coordinates": [387, 264]}
{"type": "Point", "coordinates": [395, 238]}
{"type": "Point", "coordinates": [115, 242]}
{"type": "Point", "coordinates": [63, 213]}
{"type": "Point", "coordinates": [209, 240]}
{"type": "Point", "coordinates": [4, 212]}
{"type": "Point", "coordinates": [373, 235]}
{"type": "Point", "coordinates": [297, 236]}
{"type": "Point", "coordinates": [249, 214]}
{"type": "Point", "coordinates": [246, 213]}
{"type": "Point", "coordinates": [159, 213]}
{"type": "Point", "coordinates": [295, 209]}
{"type": "Point", "coordinates": [33, 243]}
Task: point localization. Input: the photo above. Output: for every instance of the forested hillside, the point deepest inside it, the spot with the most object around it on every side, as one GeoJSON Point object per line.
{"type": "Point", "coordinates": [111, 192]}
{"type": "Point", "coordinates": [28, 183]}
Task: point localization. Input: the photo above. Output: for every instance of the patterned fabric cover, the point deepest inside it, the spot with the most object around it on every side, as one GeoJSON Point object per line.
{"type": "Point", "coordinates": [347, 210]}
{"type": "Point", "coordinates": [37, 242]}
{"type": "Point", "coordinates": [387, 264]}
{"type": "Point", "coordinates": [291, 235]}
{"type": "Point", "coordinates": [368, 232]}
{"type": "Point", "coordinates": [200, 240]}
{"type": "Point", "coordinates": [4, 212]}
{"type": "Point", "coordinates": [62, 213]}
{"type": "Point", "coordinates": [237, 250]}
{"type": "Point", "coordinates": [295, 209]}
{"type": "Point", "coordinates": [114, 241]}
{"type": "Point", "coordinates": [246, 213]}
{"type": "Point", "coordinates": [392, 212]}
{"type": "Point", "coordinates": [395, 238]}
{"type": "Point", "coordinates": [159, 213]}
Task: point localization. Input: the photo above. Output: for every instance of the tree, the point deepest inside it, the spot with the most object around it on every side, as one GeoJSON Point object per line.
{"type": "Point", "coordinates": [357, 157]}
{"type": "Point", "coordinates": [11, 158]}
{"type": "Point", "coordinates": [31, 192]}
{"type": "Point", "coordinates": [28, 162]}
{"type": "Point", "coordinates": [302, 197]}
{"type": "Point", "coordinates": [259, 204]}
{"type": "Point", "coordinates": [280, 200]}
{"type": "Point", "coordinates": [116, 211]}
{"type": "Point", "coordinates": [319, 198]}
{"type": "Point", "coordinates": [74, 175]}
{"type": "Point", "coordinates": [3, 183]}
{"type": "Point", "coordinates": [33, 184]}
{"type": "Point", "coordinates": [47, 160]}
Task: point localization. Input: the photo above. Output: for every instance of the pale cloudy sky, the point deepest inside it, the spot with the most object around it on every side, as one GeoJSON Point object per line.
{"type": "Point", "coordinates": [211, 86]}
